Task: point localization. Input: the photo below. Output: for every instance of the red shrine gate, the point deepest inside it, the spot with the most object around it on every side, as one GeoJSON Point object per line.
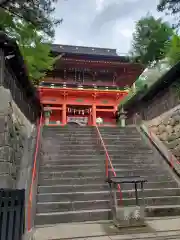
{"type": "Point", "coordinates": [80, 106]}
{"type": "Point", "coordinates": [86, 84]}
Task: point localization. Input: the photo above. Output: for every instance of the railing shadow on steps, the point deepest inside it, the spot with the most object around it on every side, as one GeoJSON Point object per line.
{"type": "Point", "coordinates": [108, 162]}
{"type": "Point", "coordinates": [33, 185]}
{"type": "Point", "coordinates": [162, 149]}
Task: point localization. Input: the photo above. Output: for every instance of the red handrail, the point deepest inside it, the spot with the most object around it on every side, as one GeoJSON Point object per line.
{"type": "Point", "coordinates": [33, 174]}
{"type": "Point", "coordinates": [108, 162]}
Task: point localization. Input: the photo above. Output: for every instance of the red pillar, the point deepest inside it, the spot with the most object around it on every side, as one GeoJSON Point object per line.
{"type": "Point", "coordinates": [94, 114]}
{"type": "Point", "coordinates": [115, 108]}
{"type": "Point", "coordinates": [64, 120]}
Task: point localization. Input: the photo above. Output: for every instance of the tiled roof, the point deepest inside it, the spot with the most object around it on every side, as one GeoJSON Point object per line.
{"type": "Point", "coordinates": [83, 50]}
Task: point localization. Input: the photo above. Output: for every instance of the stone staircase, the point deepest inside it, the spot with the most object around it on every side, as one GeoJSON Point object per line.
{"type": "Point", "coordinates": [133, 155]}
{"type": "Point", "coordinates": [71, 181]}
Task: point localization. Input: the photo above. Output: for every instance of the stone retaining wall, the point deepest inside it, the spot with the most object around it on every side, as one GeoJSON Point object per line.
{"type": "Point", "coordinates": [15, 130]}
{"type": "Point", "coordinates": [167, 129]}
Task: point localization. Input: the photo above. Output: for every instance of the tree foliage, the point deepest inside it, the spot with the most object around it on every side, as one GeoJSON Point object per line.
{"type": "Point", "coordinates": [33, 39]}
{"type": "Point", "coordinates": [37, 12]}
{"type": "Point", "coordinates": [172, 50]}
{"type": "Point", "coordinates": [149, 38]}
{"type": "Point", "coordinates": [170, 7]}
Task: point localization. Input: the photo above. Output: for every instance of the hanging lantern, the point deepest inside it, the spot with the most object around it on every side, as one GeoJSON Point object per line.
{"type": "Point", "coordinates": [82, 112]}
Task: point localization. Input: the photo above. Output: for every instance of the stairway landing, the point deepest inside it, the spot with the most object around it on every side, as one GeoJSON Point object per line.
{"type": "Point", "coordinates": [160, 229]}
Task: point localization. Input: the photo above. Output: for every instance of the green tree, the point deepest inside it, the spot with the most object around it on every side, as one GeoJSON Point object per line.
{"type": "Point", "coordinates": [37, 12]}
{"type": "Point", "coordinates": [149, 38]}
{"type": "Point", "coordinates": [33, 40]}
{"type": "Point", "coordinates": [170, 7]}
{"type": "Point", "coordinates": [172, 50]}
{"type": "Point", "coordinates": [36, 52]}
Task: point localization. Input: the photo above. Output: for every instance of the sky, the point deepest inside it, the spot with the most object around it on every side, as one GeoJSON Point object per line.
{"type": "Point", "coordinates": [101, 23]}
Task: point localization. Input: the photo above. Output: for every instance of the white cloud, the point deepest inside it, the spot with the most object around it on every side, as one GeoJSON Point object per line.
{"type": "Point", "coordinates": [126, 33]}
{"type": "Point", "coordinates": [102, 23]}
{"type": "Point", "coordinates": [99, 5]}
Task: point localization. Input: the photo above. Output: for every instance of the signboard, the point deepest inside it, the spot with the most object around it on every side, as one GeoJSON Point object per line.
{"type": "Point", "coordinates": [82, 121]}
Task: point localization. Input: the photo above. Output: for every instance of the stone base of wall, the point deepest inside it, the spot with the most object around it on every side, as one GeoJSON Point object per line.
{"type": "Point", "coordinates": [167, 129]}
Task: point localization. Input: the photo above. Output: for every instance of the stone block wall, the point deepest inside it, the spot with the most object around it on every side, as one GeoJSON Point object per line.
{"type": "Point", "coordinates": [15, 130]}
{"type": "Point", "coordinates": [19, 110]}
{"type": "Point", "coordinates": [167, 129]}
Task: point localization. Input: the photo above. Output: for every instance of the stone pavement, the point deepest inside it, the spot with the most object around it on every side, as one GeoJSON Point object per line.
{"type": "Point", "coordinates": [161, 229]}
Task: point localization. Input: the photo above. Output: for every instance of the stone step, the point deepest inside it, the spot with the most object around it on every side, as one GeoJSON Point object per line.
{"type": "Point", "coordinates": [113, 139]}
{"type": "Point", "coordinates": [69, 161]}
{"type": "Point", "coordinates": [132, 152]}
{"type": "Point", "coordinates": [80, 146]}
{"type": "Point", "coordinates": [63, 165]}
{"type": "Point", "coordinates": [51, 172]}
{"type": "Point", "coordinates": [97, 179]}
{"type": "Point", "coordinates": [104, 195]}
{"type": "Point", "coordinates": [73, 196]}
{"type": "Point", "coordinates": [68, 128]}
{"type": "Point", "coordinates": [114, 152]}
{"type": "Point", "coordinates": [133, 157]}
{"type": "Point", "coordinates": [136, 162]}
{"type": "Point", "coordinates": [158, 177]}
{"type": "Point", "coordinates": [115, 158]}
{"type": "Point", "coordinates": [80, 173]}
{"type": "Point", "coordinates": [102, 186]}
{"type": "Point", "coordinates": [69, 134]}
{"type": "Point", "coordinates": [69, 147]}
{"type": "Point", "coordinates": [45, 207]}
{"type": "Point", "coordinates": [127, 147]}
{"type": "Point", "coordinates": [76, 151]}
{"type": "Point", "coordinates": [73, 188]}
{"type": "Point", "coordinates": [101, 172]}
{"type": "Point", "coordinates": [48, 167]}
{"type": "Point", "coordinates": [79, 135]}
{"type": "Point", "coordinates": [74, 167]}
{"type": "Point", "coordinates": [73, 181]}
{"type": "Point", "coordinates": [72, 216]}
{"type": "Point", "coordinates": [95, 161]}
{"type": "Point", "coordinates": [120, 142]}
{"type": "Point", "coordinates": [117, 129]}
{"type": "Point", "coordinates": [70, 155]}
{"type": "Point", "coordinates": [100, 214]}
{"type": "Point", "coordinates": [163, 211]}
{"type": "Point", "coordinates": [70, 131]}
{"type": "Point", "coordinates": [101, 160]}
{"type": "Point", "coordinates": [93, 180]}
{"type": "Point", "coordinates": [120, 135]}
{"type": "Point", "coordinates": [139, 172]}
{"type": "Point", "coordinates": [81, 143]}
{"type": "Point", "coordinates": [92, 141]}
{"type": "Point", "coordinates": [93, 129]}
{"type": "Point", "coordinates": [55, 158]}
